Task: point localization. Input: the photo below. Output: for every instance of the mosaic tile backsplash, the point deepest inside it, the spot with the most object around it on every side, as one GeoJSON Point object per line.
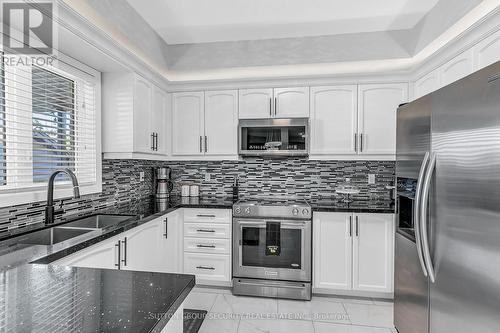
{"type": "Point", "coordinates": [292, 177]}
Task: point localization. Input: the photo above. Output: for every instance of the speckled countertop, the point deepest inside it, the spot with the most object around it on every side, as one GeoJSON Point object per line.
{"type": "Point", "coordinates": [48, 298]}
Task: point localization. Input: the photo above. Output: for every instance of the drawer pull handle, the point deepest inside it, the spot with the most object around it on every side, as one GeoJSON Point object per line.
{"type": "Point", "coordinates": [206, 268]}
{"type": "Point", "coordinates": [204, 230]}
{"type": "Point", "coordinates": [206, 246]}
{"type": "Point", "coordinates": [206, 215]}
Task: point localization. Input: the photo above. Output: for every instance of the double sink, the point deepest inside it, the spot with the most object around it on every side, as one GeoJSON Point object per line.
{"type": "Point", "coordinates": [66, 231]}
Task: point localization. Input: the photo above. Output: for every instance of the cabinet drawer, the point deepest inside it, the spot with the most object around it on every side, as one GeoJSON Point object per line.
{"type": "Point", "coordinates": [204, 245]}
{"type": "Point", "coordinates": [207, 215]}
{"type": "Point", "coordinates": [206, 230]}
{"type": "Point", "coordinates": [208, 267]}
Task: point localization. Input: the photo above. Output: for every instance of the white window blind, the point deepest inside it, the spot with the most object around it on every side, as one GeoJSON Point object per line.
{"type": "Point", "coordinates": [47, 122]}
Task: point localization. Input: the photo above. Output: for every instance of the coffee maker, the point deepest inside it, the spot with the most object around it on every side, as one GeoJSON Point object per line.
{"type": "Point", "coordinates": [163, 184]}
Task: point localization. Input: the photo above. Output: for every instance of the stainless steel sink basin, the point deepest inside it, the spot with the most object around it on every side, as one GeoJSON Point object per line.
{"type": "Point", "coordinates": [51, 236]}
{"type": "Point", "coordinates": [97, 221]}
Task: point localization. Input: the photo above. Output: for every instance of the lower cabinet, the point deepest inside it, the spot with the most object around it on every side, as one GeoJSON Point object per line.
{"type": "Point", "coordinates": [102, 255]}
{"type": "Point", "coordinates": [152, 247]}
{"type": "Point", "coordinates": [207, 245]}
{"type": "Point", "coordinates": [353, 253]}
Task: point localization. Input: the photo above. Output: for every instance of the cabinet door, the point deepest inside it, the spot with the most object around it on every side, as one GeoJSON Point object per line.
{"type": "Point", "coordinates": [487, 51]}
{"type": "Point", "coordinates": [426, 84]}
{"type": "Point", "coordinates": [142, 116]}
{"type": "Point", "coordinates": [255, 103]}
{"type": "Point", "coordinates": [334, 119]}
{"type": "Point", "coordinates": [373, 252]}
{"type": "Point", "coordinates": [102, 255]}
{"type": "Point", "coordinates": [171, 252]}
{"type": "Point", "coordinates": [457, 68]}
{"type": "Point", "coordinates": [332, 251]}
{"type": "Point", "coordinates": [291, 102]}
{"type": "Point", "coordinates": [159, 120]}
{"type": "Point", "coordinates": [187, 123]}
{"type": "Point", "coordinates": [378, 104]}
{"type": "Point", "coordinates": [221, 122]}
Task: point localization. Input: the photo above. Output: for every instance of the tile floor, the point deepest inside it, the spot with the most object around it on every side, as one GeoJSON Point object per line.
{"type": "Point", "coordinates": [238, 314]}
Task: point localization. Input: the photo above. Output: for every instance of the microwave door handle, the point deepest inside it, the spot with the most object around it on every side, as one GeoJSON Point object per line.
{"type": "Point", "coordinates": [416, 213]}
{"type": "Point", "coordinates": [423, 218]}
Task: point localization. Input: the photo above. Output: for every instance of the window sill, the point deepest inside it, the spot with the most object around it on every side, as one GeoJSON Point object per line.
{"type": "Point", "coordinates": [21, 197]}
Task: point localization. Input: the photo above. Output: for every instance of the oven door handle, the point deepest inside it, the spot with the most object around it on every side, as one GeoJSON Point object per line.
{"type": "Point", "coordinates": [279, 284]}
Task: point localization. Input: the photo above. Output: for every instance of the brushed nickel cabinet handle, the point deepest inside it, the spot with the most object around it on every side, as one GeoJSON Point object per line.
{"type": "Point", "coordinates": [356, 142]}
{"type": "Point", "coordinates": [275, 106]}
{"type": "Point", "coordinates": [119, 246]}
{"type": "Point", "coordinates": [206, 144]}
{"type": "Point", "coordinates": [206, 246]}
{"type": "Point", "coordinates": [124, 260]}
{"type": "Point", "coordinates": [152, 141]}
{"type": "Point", "coordinates": [270, 107]}
{"type": "Point", "coordinates": [206, 268]}
{"type": "Point", "coordinates": [361, 144]}
{"type": "Point", "coordinates": [350, 226]}
{"type": "Point", "coordinates": [205, 230]}
{"type": "Point", "coordinates": [201, 144]}
{"type": "Point", "coordinates": [166, 228]}
{"type": "Point", "coordinates": [206, 215]}
{"type": "Point", "coordinates": [357, 226]}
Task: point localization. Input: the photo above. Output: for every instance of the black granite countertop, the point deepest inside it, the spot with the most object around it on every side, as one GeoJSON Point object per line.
{"type": "Point", "coordinates": [357, 206]}
{"type": "Point", "coordinates": [47, 298]}
{"type": "Point", "coordinates": [38, 297]}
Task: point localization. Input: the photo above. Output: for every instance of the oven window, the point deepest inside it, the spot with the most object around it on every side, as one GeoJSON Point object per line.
{"type": "Point", "coordinates": [257, 251]}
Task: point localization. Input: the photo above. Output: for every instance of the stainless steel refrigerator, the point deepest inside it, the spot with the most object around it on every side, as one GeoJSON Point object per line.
{"type": "Point", "coordinates": [447, 267]}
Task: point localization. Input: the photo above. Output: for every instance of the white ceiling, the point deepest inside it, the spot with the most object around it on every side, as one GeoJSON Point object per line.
{"type": "Point", "coordinates": [201, 21]}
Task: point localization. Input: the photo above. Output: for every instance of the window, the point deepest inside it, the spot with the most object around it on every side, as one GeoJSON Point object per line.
{"type": "Point", "coordinates": [47, 122]}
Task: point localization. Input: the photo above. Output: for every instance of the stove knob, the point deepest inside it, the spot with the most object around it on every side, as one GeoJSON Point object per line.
{"type": "Point", "coordinates": [237, 210]}
{"type": "Point", "coordinates": [295, 212]}
{"type": "Point", "coordinates": [305, 211]}
{"type": "Point", "coordinates": [247, 210]}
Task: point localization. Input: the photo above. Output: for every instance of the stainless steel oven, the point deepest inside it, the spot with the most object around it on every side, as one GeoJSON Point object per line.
{"type": "Point", "coordinates": [272, 250]}
{"type": "Point", "coordinates": [254, 260]}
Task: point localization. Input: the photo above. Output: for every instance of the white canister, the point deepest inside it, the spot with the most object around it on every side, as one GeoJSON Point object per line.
{"type": "Point", "coordinates": [194, 191]}
{"type": "Point", "coordinates": [185, 190]}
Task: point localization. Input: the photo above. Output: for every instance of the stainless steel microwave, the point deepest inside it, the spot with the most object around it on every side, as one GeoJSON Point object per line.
{"type": "Point", "coordinates": [273, 137]}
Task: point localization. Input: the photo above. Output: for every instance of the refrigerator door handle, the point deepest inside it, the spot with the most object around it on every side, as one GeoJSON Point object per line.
{"type": "Point", "coordinates": [423, 217]}
{"type": "Point", "coordinates": [416, 213]}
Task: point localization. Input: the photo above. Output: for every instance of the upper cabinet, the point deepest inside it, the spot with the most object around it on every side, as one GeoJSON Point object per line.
{"type": "Point", "coordinates": [377, 105]}
{"type": "Point", "coordinates": [487, 51]}
{"type": "Point", "coordinates": [355, 120]}
{"type": "Point", "coordinates": [426, 84]}
{"type": "Point", "coordinates": [205, 123]}
{"type": "Point", "coordinates": [334, 120]}
{"type": "Point", "coordinates": [256, 103]}
{"type": "Point", "coordinates": [188, 123]}
{"type": "Point", "coordinates": [134, 116]}
{"type": "Point", "coordinates": [457, 68]}
{"type": "Point", "coordinates": [274, 103]}
{"type": "Point", "coordinates": [221, 122]}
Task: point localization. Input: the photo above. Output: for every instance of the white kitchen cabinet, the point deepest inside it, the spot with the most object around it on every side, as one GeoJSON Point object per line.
{"type": "Point", "coordinates": [159, 123]}
{"type": "Point", "coordinates": [188, 123]}
{"type": "Point", "coordinates": [353, 253]}
{"type": "Point", "coordinates": [290, 102]}
{"type": "Point", "coordinates": [255, 103]}
{"type": "Point", "coordinates": [134, 120]}
{"type": "Point", "coordinates": [373, 252]}
{"type": "Point", "coordinates": [221, 122]}
{"type": "Point", "coordinates": [207, 245]}
{"type": "Point", "coordinates": [426, 84]}
{"type": "Point", "coordinates": [334, 120]}
{"type": "Point", "coordinates": [154, 246]}
{"type": "Point", "coordinates": [377, 106]}
{"type": "Point", "coordinates": [102, 255]}
{"type": "Point", "coordinates": [332, 251]}
{"type": "Point", "coordinates": [205, 123]}
{"type": "Point", "coordinates": [487, 51]}
{"type": "Point", "coordinates": [457, 68]}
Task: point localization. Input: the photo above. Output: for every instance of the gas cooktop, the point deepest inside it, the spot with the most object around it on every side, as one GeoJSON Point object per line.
{"type": "Point", "coordinates": [272, 207]}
